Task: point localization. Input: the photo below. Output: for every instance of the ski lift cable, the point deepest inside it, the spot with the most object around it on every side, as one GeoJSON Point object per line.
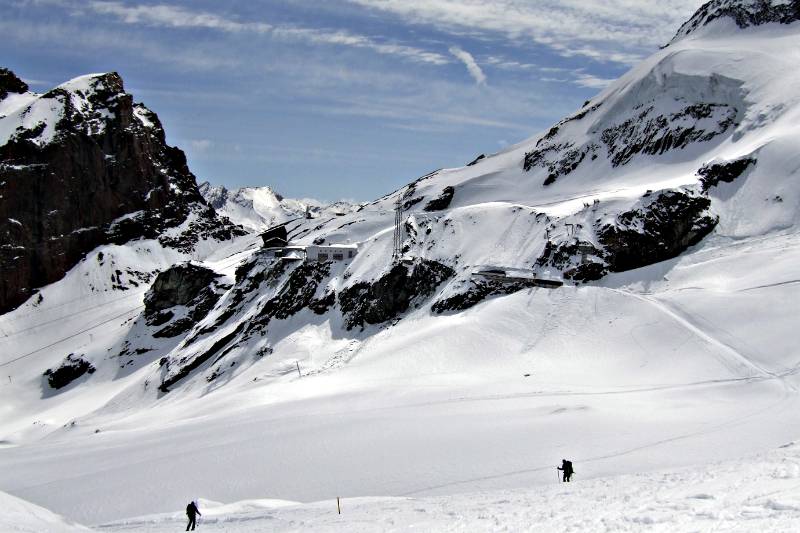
{"type": "Point", "coordinates": [7, 321]}
{"type": "Point", "coordinates": [23, 356]}
{"type": "Point", "coordinates": [72, 314]}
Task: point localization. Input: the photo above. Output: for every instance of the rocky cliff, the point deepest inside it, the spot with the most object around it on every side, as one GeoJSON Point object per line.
{"type": "Point", "coordinates": [83, 165]}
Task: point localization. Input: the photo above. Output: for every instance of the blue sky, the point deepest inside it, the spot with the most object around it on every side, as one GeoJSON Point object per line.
{"type": "Point", "coordinates": [340, 98]}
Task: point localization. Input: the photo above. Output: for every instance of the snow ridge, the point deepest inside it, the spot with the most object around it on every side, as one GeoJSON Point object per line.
{"type": "Point", "coordinates": [745, 13]}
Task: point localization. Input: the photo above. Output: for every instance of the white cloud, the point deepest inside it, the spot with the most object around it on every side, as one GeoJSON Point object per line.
{"type": "Point", "coordinates": [71, 37]}
{"type": "Point", "coordinates": [175, 17]}
{"type": "Point", "coordinates": [606, 30]}
{"type": "Point", "coordinates": [344, 38]}
{"type": "Point", "coordinates": [179, 17]}
{"type": "Point", "coordinates": [591, 82]}
{"type": "Point", "coordinates": [469, 61]}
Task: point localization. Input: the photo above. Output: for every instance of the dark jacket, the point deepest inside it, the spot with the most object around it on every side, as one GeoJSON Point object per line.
{"type": "Point", "coordinates": [192, 510]}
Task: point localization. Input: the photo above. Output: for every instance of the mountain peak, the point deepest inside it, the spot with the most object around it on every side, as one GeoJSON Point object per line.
{"type": "Point", "coordinates": [744, 13]}
{"type": "Point", "coordinates": [105, 82]}
{"type": "Point", "coordinates": [10, 83]}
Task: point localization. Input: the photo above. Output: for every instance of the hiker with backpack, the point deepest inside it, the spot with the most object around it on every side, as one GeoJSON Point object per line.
{"type": "Point", "coordinates": [192, 512]}
{"type": "Point", "coordinates": [566, 467]}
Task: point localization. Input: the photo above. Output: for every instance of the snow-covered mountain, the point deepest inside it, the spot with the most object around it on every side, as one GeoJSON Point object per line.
{"type": "Point", "coordinates": [668, 206]}
{"type": "Point", "coordinates": [259, 208]}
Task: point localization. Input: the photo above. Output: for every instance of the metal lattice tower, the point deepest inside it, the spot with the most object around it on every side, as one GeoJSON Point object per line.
{"type": "Point", "coordinates": [398, 228]}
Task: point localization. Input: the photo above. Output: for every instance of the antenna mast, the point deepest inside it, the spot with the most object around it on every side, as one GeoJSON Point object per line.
{"type": "Point", "coordinates": [398, 228]}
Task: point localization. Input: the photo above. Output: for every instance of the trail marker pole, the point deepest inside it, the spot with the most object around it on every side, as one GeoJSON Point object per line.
{"type": "Point", "coordinates": [298, 369]}
{"type": "Point", "coordinates": [338, 505]}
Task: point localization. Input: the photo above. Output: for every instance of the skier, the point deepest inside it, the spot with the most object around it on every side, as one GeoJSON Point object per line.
{"type": "Point", "coordinates": [566, 467]}
{"type": "Point", "coordinates": [192, 511]}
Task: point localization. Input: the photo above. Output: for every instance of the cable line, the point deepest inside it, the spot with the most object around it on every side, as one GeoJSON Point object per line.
{"type": "Point", "coordinates": [59, 319]}
{"type": "Point", "coordinates": [23, 356]}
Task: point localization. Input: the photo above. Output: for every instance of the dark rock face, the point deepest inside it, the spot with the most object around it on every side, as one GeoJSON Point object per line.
{"type": "Point", "coordinates": [106, 176]}
{"type": "Point", "coordinates": [298, 291]}
{"type": "Point", "coordinates": [10, 84]}
{"type": "Point", "coordinates": [178, 285]}
{"type": "Point", "coordinates": [559, 159]}
{"type": "Point", "coordinates": [744, 14]}
{"type": "Point", "coordinates": [187, 368]}
{"type": "Point", "coordinates": [653, 134]}
{"type": "Point", "coordinates": [711, 175]}
{"type": "Point", "coordinates": [580, 261]}
{"type": "Point", "coordinates": [648, 132]}
{"type": "Point", "coordinates": [476, 160]}
{"type": "Point", "coordinates": [661, 230]}
{"type": "Point", "coordinates": [188, 285]}
{"type": "Point", "coordinates": [73, 367]}
{"type": "Point", "coordinates": [477, 291]}
{"type": "Point", "coordinates": [392, 294]}
{"type": "Point", "coordinates": [443, 201]}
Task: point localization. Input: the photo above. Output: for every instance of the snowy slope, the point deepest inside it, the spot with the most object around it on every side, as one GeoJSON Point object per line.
{"type": "Point", "coordinates": [259, 208]}
{"type": "Point", "coordinates": [20, 516]}
{"type": "Point", "coordinates": [751, 494]}
{"type": "Point", "coordinates": [754, 493]}
{"type": "Point", "coordinates": [675, 347]}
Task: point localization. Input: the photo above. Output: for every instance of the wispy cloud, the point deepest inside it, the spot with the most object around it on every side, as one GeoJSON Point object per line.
{"type": "Point", "coordinates": [175, 17]}
{"type": "Point", "coordinates": [163, 15]}
{"type": "Point", "coordinates": [589, 81]}
{"type": "Point", "coordinates": [616, 31]}
{"type": "Point", "coordinates": [508, 64]}
{"type": "Point", "coordinates": [469, 61]}
{"type": "Point", "coordinates": [344, 38]}
{"type": "Point", "coordinates": [70, 37]}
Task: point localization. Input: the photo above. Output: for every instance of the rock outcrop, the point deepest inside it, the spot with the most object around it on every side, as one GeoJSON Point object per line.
{"type": "Point", "coordinates": [442, 201]}
{"type": "Point", "coordinates": [743, 14]}
{"type": "Point", "coordinates": [189, 287]}
{"type": "Point", "coordinates": [660, 230]}
{"type": "Point", "coordinates": [73, 367]}
{"type": "Point", "coordinates": [393, 293]}
{"type": "Point", "coordinates": [712, 174]}
{"type": "Point", "coordinates": [11, 84]}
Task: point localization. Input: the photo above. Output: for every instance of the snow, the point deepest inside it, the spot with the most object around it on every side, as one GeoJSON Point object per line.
{"type": "Point", "coordinates": [140, 112]}
{"type": "Point", "coordinates": [28, 111]}
{"type": "Point", "coordinates": [19, 516]}
{"type": "Point", "coordinates": [673, 388]}
{"type": "Point", "coordinates": [651, 379]}
{"type": "Point", "coordinates": [754, 493]}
